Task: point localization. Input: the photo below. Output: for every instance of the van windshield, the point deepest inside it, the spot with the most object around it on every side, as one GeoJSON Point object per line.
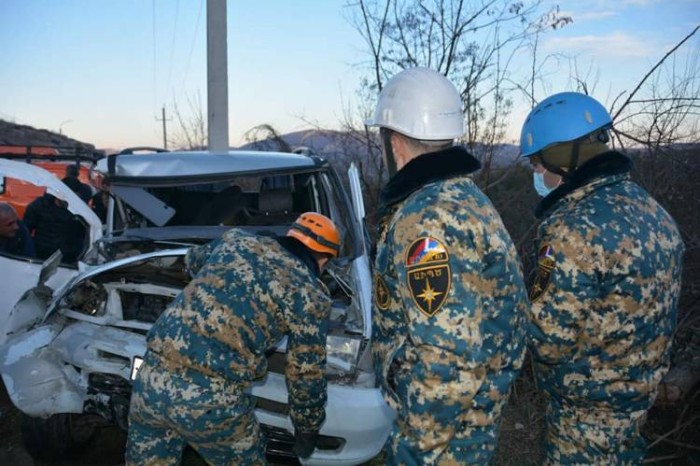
{"type": "Point", "coordinates": [272, 201]}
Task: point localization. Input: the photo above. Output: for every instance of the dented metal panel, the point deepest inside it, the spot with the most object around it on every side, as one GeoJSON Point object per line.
{"type": "Point", "coordinates": [41, 388]}
{"type": "Point", "coordinates": [172, 168]}
{"type": "Point", "coordinates": [40, 177]}
{"type": "Point", "coordinates": [26, 273]}
{"type": "Point", "coordinates": [97, 348]}
{"type": "Point", "coordinates": [38, 383]}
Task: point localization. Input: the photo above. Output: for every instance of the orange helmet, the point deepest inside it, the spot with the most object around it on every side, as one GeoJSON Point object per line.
{"type": "Point", "coordinates": [317, 232]}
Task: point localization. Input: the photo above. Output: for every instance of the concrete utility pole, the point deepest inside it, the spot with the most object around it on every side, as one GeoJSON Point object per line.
{"type": "Point", "coordinates": [165, 130]}
{"type": "Point", "coordinates": [217, 75]}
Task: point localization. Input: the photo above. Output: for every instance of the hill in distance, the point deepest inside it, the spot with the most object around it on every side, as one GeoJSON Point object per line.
{"type": "Point", "coordinates": [13, 134]}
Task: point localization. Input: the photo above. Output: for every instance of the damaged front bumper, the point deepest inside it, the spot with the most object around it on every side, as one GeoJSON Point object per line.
{"type": "Point", "coordinates": [53, 369]}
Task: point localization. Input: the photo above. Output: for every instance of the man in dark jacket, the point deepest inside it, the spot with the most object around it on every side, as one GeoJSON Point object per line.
{"type": "Point", "coordinates": [54, 227]}
{"type": "Point", "coordinates": [83, 190]}
{"type": "Point", "coordinates": [14, 237]}
{"type": "Point", "coordinates": [209, 345]}
{"type": "Point", "coordinates": [605, 296]}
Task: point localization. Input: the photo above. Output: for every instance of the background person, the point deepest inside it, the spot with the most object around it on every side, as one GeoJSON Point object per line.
{"type": "Point", "coordinates": [100, 200]}
{"type": "Point", "coordinates": [54, 227]}
{"type": "Point", "coordinates": [83, 190]}
{"type": "Point", "coordinates": [209, 345]}
{"type": "Point", "coordinates": [606, 292]}
{"type": "Point", "coordinates": [14, 236]}
{"type": "Point", "coordinates": [450, 300]}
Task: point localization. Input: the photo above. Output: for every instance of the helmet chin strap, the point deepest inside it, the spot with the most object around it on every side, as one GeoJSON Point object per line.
{"type": "Point", "coordinates": [573, 162]}
{"type": "Point", "coordinates": [389, 160]}
{"type": "Point", "coordinates": [596, 145]}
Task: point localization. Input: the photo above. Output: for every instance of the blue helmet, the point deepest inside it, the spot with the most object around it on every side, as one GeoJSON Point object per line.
{"type": "Point", "coordinates": [560, 118]}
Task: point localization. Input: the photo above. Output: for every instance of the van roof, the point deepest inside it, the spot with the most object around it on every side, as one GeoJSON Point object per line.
{"type": "Point", "coordinates": [189, 167]}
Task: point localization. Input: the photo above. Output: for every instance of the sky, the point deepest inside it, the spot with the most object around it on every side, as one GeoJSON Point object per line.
{"type": "Point", "coordinates": [101, 71]}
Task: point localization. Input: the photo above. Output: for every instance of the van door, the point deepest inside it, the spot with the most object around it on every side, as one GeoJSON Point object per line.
{"type": "Point", "coordinates": [21, 274]}
{"type": "Point", "coordinates": [361, 266]}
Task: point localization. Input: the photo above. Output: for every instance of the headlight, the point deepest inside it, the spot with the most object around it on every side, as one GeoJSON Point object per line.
{"type": "Point", "coordinates": [87, 298]}
{"type": "Point", "coordinates": [342, 353]}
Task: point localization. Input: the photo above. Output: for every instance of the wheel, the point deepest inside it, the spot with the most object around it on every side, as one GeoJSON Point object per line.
{"type": "Point", "coordinates": [60, 437]}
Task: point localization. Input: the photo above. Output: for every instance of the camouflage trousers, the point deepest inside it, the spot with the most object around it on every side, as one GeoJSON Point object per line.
{"type": "Point", "coordinates": [168, 412]}
{"type": "Point", "coordinates": [468, 445]}
{"type": "Point", "coordinates": [593, 437]}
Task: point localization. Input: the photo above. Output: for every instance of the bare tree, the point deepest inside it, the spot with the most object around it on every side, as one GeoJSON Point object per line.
{"type": "Point", "coordinates": [663, 108]}
{"type": "Point", "coordinates": [265, 137]}
{"type": "Point", "coordinates": [472, 43]}
{"type": "Point", "coordinates": [191, 125]}
{"type": "Point", "coordinates": [660, 118]}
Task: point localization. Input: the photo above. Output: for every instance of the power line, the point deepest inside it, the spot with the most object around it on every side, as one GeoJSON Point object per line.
{"type": "Point", "coordinates": [194, 39]}
{"type": "Point", "coordinates": [172, 45]}
{"type": "Point", "coordinates": [153, 31]}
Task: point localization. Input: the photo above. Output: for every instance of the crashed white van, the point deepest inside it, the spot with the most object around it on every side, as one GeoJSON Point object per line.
{"type": "Point", "coordinates": [73, 343]}
{"type": "Point", "coordinates": [20, 274]}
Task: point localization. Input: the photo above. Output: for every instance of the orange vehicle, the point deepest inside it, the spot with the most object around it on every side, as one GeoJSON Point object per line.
{"type": "Point", "coordinates": [53, 159]}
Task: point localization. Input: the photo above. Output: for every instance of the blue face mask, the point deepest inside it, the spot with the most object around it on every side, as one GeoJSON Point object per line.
{"type": "Point", "coordinates": [540, 187]}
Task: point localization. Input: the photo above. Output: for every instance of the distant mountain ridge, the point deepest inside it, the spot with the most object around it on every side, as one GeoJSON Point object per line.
{"type": "Point", "coordinates": [332, 143]}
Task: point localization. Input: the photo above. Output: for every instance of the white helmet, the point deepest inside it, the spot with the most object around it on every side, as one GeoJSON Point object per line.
{"type": "Point", "coordinates": [420, 103]}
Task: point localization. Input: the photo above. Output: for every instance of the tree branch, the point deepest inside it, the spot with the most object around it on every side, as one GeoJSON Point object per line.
{"type": "Point", "coordinates": [639, 85]}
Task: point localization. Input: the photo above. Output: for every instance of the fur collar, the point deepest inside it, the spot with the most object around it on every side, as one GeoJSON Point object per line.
{"type": "Point", "coordinates": [607, 164]}
{"type": "Point", "coordinates": [428, 168]}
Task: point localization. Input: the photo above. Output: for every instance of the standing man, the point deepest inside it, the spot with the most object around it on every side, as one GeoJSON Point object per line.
{"type": "Point", "coordinates": [82, 190]}
{"type": "Point", "coordinates": [54, 227]}
{"type": "Point", "coordinates": [14, 236]}
{"type": "Point", "coordinates": [247, 292]}
{"type": "Point", "coordinates": [606, 290]}
{"type": "Point", "coordinates": [449, 297]}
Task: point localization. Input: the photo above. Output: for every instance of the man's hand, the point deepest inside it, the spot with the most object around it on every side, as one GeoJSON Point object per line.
{"type": "Point", "coordinates": [305, 443]}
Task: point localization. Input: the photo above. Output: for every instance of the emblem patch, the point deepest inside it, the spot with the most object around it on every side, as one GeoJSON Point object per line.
{"type": "Point", "coordinates": [545, 265]}
{"type": "Point", "coordinates": [428, 274]}
{"type": "Point", "coordinates": [382, 298]}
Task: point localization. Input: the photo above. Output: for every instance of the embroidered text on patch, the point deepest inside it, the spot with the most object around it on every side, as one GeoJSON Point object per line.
{"type": "Point", "coordinates": [428, 274]}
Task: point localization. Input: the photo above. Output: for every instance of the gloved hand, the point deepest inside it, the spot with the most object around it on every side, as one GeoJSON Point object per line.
{"type": "Point", "coordinates": [305, 443]}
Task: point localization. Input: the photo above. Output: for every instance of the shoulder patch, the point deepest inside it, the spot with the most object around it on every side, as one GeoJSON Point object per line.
{"type": "Point", "coordinates": [545, 265]}
{"type": "Point", "coordinates": [382, 298]}
{"type": "Point", "coordinates": [428, 274]}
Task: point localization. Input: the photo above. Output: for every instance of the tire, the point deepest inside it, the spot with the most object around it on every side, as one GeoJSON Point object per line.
{"type": "Point", "coordinates": [60, 437]}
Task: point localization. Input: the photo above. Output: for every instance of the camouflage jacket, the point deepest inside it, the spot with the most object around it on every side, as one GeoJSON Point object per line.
{"type": "Point", "coordinates": [449, 303]}
{"type": "Point", "coordinates": [606, 290]}
{"type": "Point", "coordinates": [247, 292]}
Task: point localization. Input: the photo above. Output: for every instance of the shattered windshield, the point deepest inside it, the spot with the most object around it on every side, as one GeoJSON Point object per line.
{"type": "Point", "coordinates": [263, 203]}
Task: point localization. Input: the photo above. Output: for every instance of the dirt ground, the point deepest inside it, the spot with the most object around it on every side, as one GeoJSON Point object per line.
{"type": "Point", "coordinates": [107, 450]}
{"type": "Point", "coordinates": [522, 428]}
{"type": "Point", "coordinates": [108, 447]}
{"type": "Point", "coordinates": [673, 432]}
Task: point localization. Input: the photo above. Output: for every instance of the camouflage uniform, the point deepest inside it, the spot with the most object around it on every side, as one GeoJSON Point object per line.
{"type": "Point", "coordinates": [604, 311]}
{"type": "Point", "coordinates": [449, 313]}
{"type": "Point", "coordinates": [209, 344]}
